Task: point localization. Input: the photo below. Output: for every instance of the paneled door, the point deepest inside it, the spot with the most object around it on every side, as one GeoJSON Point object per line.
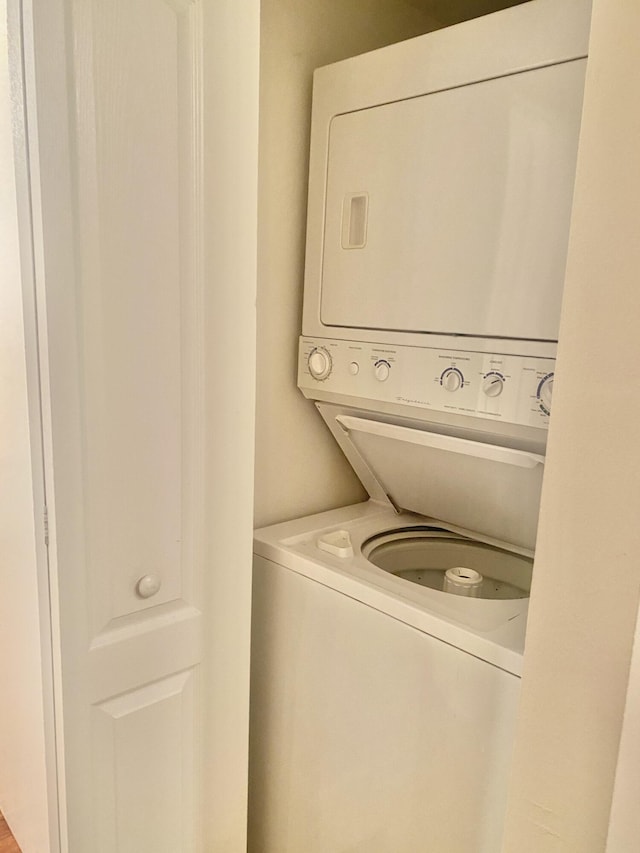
{"type": "Point", "coordinates": [128, 186]}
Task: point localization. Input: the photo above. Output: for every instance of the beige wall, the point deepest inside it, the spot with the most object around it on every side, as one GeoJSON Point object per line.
{"type": "Point", "coordinates": [587, 573]}
{"type": "Point", "coordinates": [23, 796]}
{"type": "Point", "coordinates": [299, 468]}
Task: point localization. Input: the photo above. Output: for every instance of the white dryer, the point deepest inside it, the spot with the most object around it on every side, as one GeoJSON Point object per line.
{"type": "Point", "coordinates": [388, 636]}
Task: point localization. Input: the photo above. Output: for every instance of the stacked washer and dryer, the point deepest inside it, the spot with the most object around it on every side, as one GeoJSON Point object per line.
{"type": "Point", "coordinates": [388, 636]}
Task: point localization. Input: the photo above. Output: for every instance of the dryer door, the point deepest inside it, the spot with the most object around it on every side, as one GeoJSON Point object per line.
{"type": "Point", "coordinates": [449, 212]}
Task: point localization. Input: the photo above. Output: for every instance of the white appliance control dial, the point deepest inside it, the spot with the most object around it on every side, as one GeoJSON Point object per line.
{"type": "Point", "coordinates": [493, 384]}
{"type": "Point", "coordinates": [382, 370]}
{"type": "Point", "coordinates": [452, 379]}
{"type": "Point", "coordinates": [545, 393]}
{"type": "Point", "coordinates": [498, 388]}
{"type": "Point", "coordinates": [319, 363]}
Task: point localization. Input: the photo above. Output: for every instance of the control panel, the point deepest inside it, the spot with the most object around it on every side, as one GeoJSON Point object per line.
{"type": "Point", "coordinates": [510, 388]}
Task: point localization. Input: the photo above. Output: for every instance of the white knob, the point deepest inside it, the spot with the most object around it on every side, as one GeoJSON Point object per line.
{"type": "Point", "coordinates": [451, 380]}
{"type": "Point", "coordinates": [354, 368]}
{"type": "Point", "coordinates": [493, 385]}
{"type": "Point", "coordinates": [148, 586]}
{"type": "Point", "coordinates": [546, 392]}
{"type": "Point", "coordinates": [382, 370]}
{"type": "Point", "coordinates": [319, 363]}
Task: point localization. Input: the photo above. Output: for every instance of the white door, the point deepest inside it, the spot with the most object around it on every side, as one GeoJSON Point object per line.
{"type": "Point", "coordinates": [493, 162]}
{"type": "Point", "coordinates": [151, 617]}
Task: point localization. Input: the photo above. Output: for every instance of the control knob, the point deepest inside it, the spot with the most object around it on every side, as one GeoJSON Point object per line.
{"type": "Point", "coordinates": [545, 393]}
{"type": "Point", "coordinates": [319, 363]}
{"type": "Point", "coordinates": [382, 369]}
{"type": "Point", "coordinates": [493, 385]}
{"type": "Point", "coordinates": [451, 379]}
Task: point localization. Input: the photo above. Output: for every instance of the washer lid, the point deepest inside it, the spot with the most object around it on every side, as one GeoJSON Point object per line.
{"type": "Point", "coordinates": [491, 490]}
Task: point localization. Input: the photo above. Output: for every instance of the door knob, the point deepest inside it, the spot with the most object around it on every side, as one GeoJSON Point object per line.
{"type": "Point", "coordinates": [148, 586]}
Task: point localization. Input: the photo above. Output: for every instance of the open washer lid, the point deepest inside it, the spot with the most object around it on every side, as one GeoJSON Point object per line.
{"type": "Point", "coordinates": [490, 490]}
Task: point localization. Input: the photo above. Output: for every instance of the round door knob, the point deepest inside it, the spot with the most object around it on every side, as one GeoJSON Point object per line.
{"type": "Point", "coordinates": [493, 385]}
{"type": "Point", "coordinates": [382, 370]}
{"type": "Point", "coordinates": [451, 379]}
{"type": "Point", "coordinates": [319, 362]}
{"type": "Point", "coordinates": [148, 585]}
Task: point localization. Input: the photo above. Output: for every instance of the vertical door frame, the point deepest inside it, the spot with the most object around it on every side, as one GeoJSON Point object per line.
{"type": "Point", "coordinates": [230, 126]}
{"type": "Point", "coordinates": [24, 46]}
{"type": "Point", "coordinates": [624, 820]}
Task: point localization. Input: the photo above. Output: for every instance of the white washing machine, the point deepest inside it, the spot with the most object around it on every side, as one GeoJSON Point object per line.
{"type": "Point", "coordinates": [388, 636]}
{"type": "Point", "coordinates": [383, 712]}
{"type": "Point", "coordinates": [383, 707]}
